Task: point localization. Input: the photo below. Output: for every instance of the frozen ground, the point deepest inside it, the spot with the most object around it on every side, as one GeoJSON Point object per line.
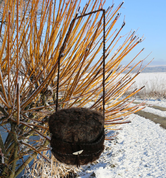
{"type": "Point", "coordinates": [156, 102]}
{"type": "Point", "coordinates": [138, 151]}
{"type": "Point", "coordinates": [154, 84]}
{"type": "Point", "coordinates": [155, 81]}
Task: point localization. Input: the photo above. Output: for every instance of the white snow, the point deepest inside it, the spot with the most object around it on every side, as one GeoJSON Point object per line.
{"type": "Point", "coordinates": [139, 151]}
{"type": "Point", "coordinates": [155, 111]}
{"type": "Point", "coordinates": [153, 82]}
{"type": "Point", "coordinates": [161, 103]}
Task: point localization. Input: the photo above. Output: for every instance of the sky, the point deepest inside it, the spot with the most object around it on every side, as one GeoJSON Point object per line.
{"type": "Point", "coordinates": [149, 17]}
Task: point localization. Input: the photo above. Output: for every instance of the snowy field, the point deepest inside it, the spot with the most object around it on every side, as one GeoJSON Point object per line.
{"type": "Point", "coordinates": [155, 84]}
{"type": "Point", "coordinates": [139, 151]}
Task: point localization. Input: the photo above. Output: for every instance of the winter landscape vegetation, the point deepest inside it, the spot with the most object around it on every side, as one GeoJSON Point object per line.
{"type": "Point", "coordinates": [138, 149]}
{"type": "Point", "coordinates": [52, 57]}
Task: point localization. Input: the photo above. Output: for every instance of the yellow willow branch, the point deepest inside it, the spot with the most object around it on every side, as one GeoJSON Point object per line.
{"type": "Point", "coordinates": [3, 88]}
{"type": "Point", "coordinates": [18, 103]}
{"type": "Point", "coordinates": [8, 51]}
{"type": "Point", "coordinates": [3, 101]}
{"type": "Point", "coordinates": [17, 48]}
{"type": "Point", "coordinates": [119, 97]}
{"type": "Point", "coordinates": [116, 95]}
{"type": "Point", "coordinates": [36, 151]}
{"type": "Point", "coordinates": [4, 14]}
{"type": "Point", "coordinates": [27, 125]}
{"type": "Point", "coordinates": [39, 126]}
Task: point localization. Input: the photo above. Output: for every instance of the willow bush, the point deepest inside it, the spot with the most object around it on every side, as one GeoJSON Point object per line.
{"type": "Point", "coordinates": [32, 33]}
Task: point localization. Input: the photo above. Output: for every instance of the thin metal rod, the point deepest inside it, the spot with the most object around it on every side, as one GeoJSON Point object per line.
{"type": "Point", "coordinates": [103, 10]}
{"type": "Point", "coordinates": [61, 55]}
{"type": "Point", "coordinates": [77, 17]}
{"type": "Point", "coordinates": [57, 88]}
{"type": "Point", "coordinates": [104, 63]}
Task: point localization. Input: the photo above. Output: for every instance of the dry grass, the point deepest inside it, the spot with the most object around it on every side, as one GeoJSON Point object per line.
{"type": "Point", "coordinates": [55, 169]}
{"type": "Point", "coordinates": [151, 94]}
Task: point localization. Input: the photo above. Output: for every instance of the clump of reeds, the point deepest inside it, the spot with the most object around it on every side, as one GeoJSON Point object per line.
{"type": "Point", "coordinates": [32, 34]}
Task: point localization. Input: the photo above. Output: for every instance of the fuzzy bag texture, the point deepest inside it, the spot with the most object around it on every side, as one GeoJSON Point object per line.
{"type": "Point", "coordinates": [77, 135]}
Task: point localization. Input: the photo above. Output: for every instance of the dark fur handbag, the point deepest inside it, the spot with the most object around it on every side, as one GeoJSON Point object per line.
{"type": "Point", "coordinates": [77, 135]}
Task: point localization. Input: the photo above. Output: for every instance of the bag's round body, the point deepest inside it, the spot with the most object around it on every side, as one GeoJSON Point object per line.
{"type": "Point", "coordinates": [77, 135]}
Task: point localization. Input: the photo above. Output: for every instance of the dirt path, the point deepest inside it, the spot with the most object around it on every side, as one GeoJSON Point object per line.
{"type": "Point", "coordinates": [159, 108]}
{"type": "Point", "coordinates": [153, 106]}
{"type": "Point", "coordinates": [153, 117]}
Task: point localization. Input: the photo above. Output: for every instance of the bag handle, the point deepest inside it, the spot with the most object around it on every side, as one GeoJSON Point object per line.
{"type": "Point", "coordinates": [64, 45]}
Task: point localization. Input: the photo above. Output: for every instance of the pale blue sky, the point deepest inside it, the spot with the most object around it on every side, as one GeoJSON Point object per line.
{"type": "Point", "coordinates": [150, 17]}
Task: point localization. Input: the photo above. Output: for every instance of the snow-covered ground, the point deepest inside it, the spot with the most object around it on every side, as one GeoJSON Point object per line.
{"type": "Point", "coordinates": [152, 80]}
{"type": "Point", "coordinates": [155, 84]}
{"type": "Point", "coordinates": [156, 102]}
{"type": "Point", "coordinates": [139, 151]}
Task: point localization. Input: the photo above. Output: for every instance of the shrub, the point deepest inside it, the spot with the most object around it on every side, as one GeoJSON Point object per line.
{"type": "Point", "coordinates": [32, 35]}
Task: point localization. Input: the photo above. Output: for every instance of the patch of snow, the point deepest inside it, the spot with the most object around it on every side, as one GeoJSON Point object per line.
{"type": "Point", "coordinates": [161, 103]}
{"type": "Point", "coordinates": [152, 81]}
{"type": "Point", "coordinates": [138, 151]}
{"type": "Point", "coordinates": [155, 111]}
